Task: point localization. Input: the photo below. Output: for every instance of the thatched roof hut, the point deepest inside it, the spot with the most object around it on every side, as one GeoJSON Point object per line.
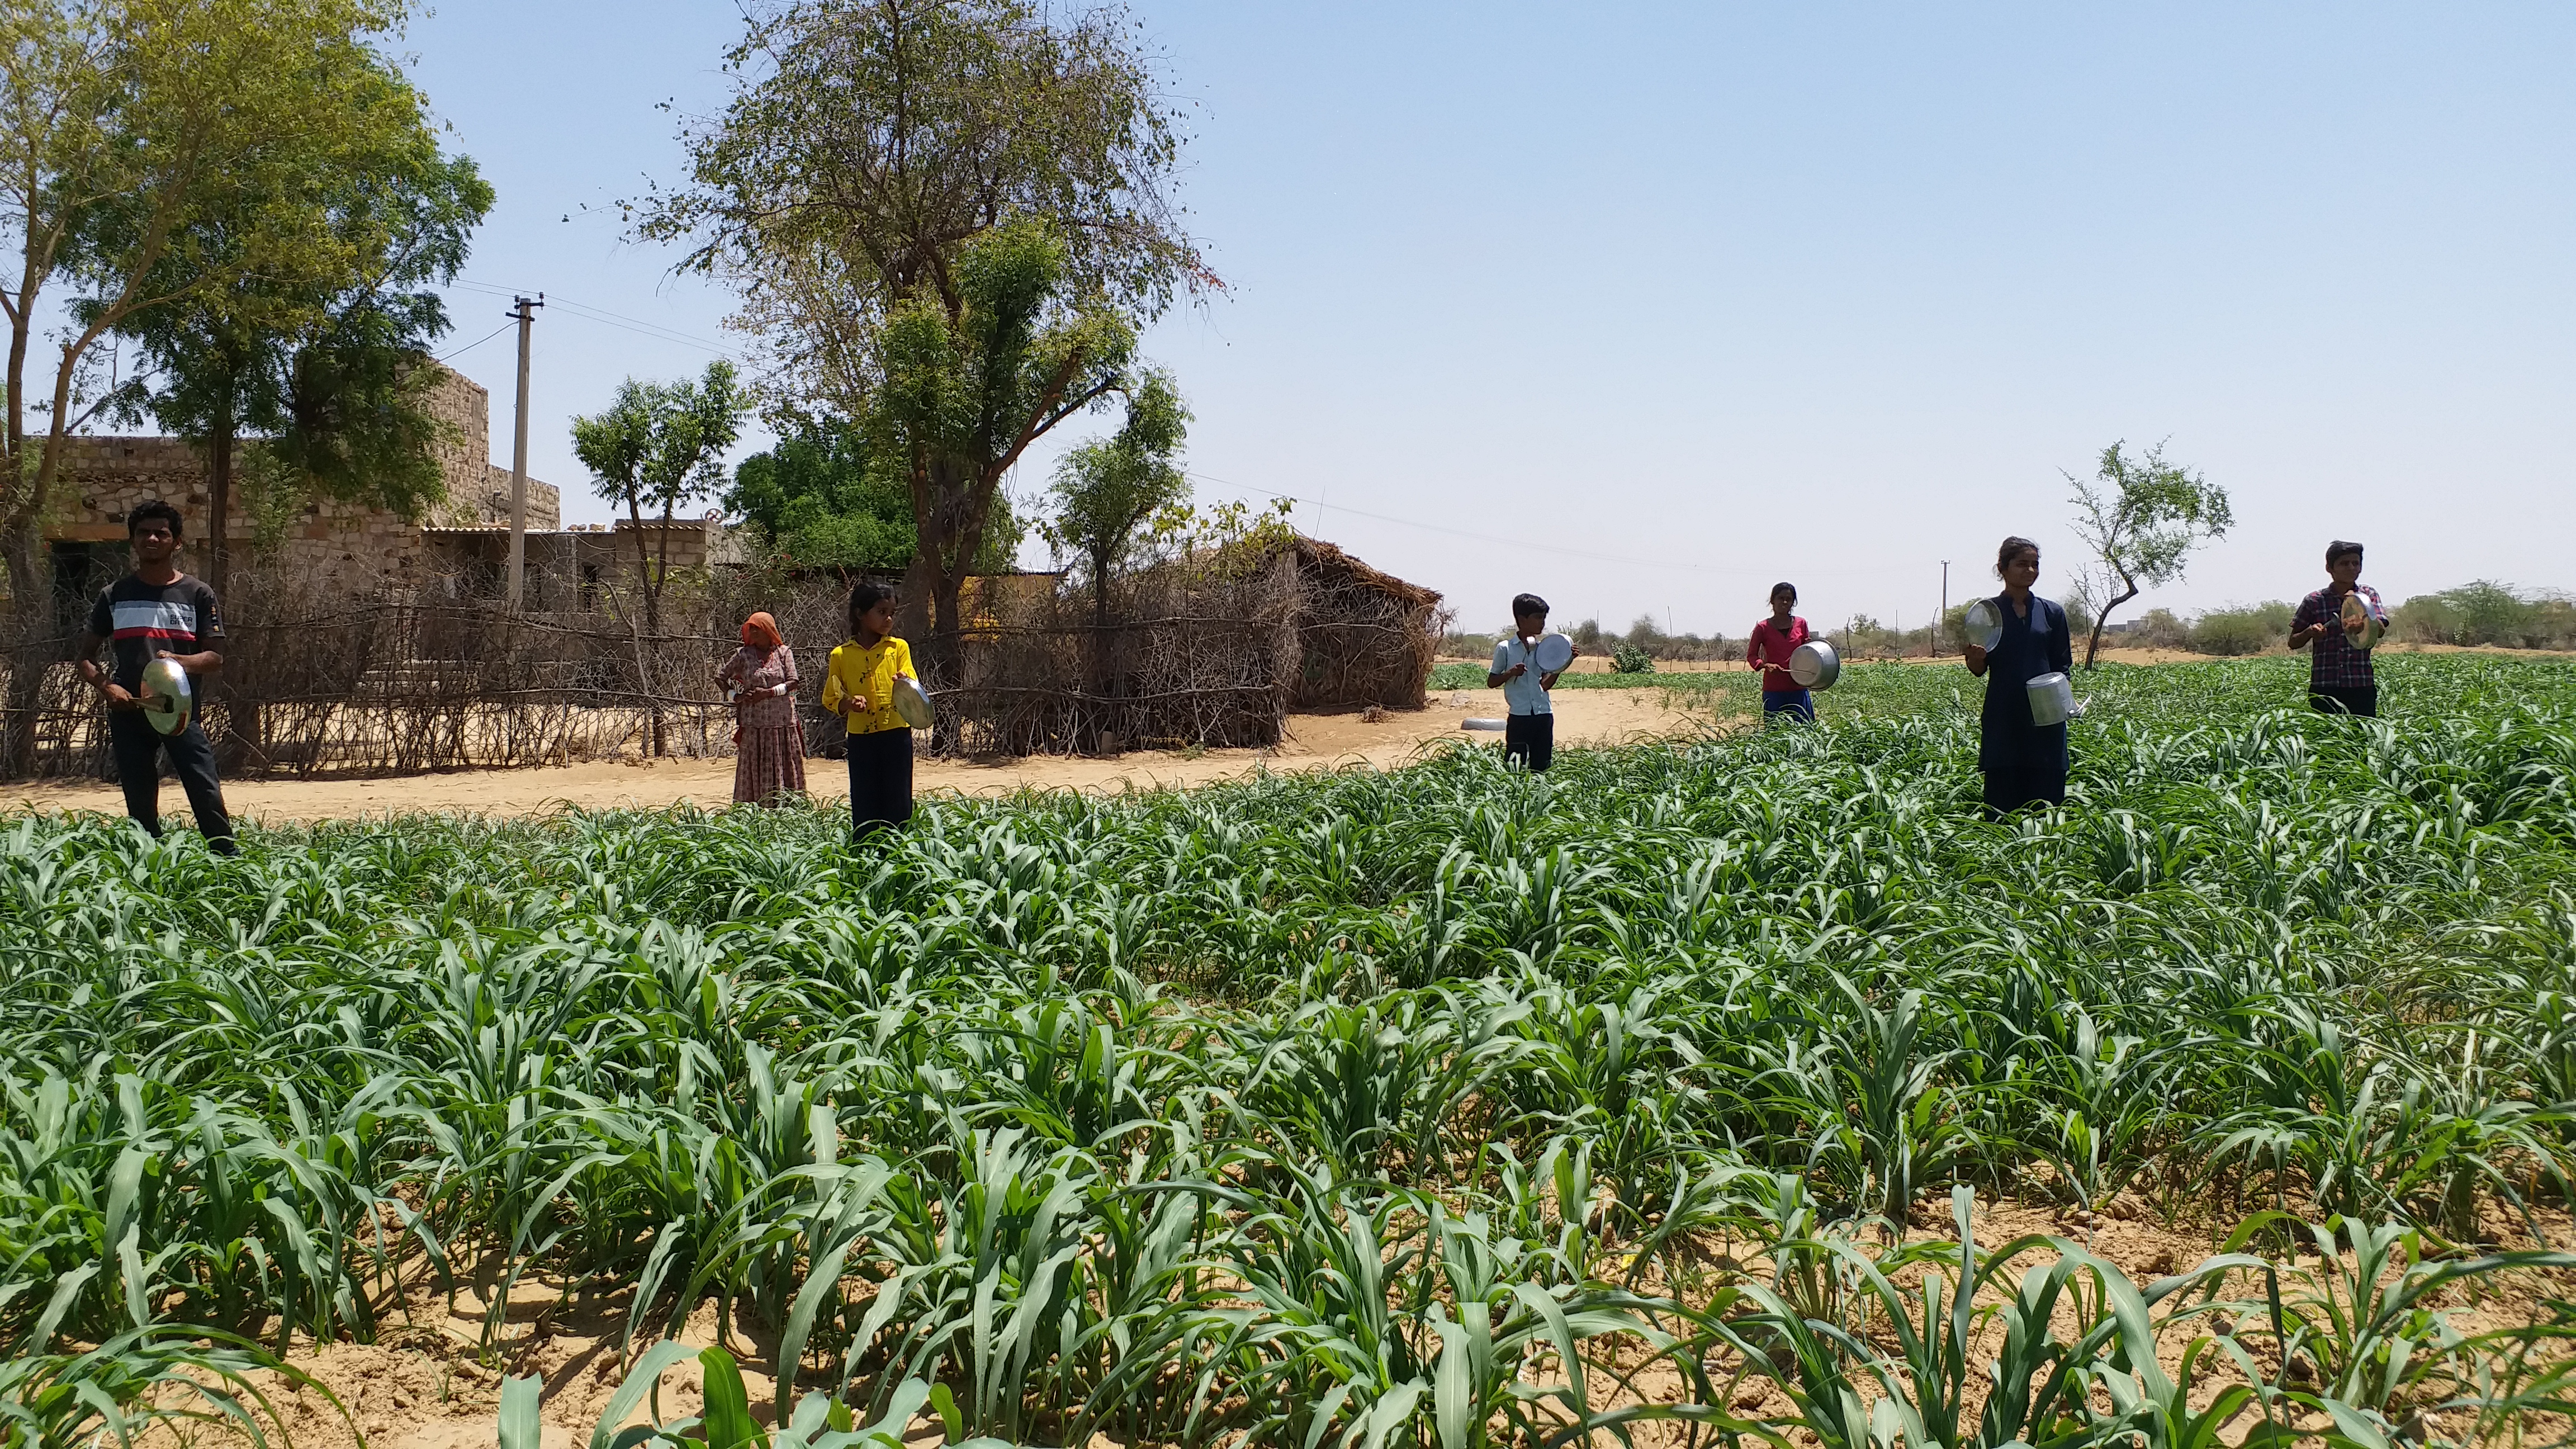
{"type": "Point", "coordinates": [1364, 636]}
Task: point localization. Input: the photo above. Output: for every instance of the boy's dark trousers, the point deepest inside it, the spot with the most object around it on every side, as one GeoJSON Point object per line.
{"type": "Point", "coordinates": [138, 748]}
{"type": "Point", "coordinates": [2352, 699]}
{"type": "Point", "coordinates": [1530, 739]}
{"type": "Point", "coordinates": [880, 781]}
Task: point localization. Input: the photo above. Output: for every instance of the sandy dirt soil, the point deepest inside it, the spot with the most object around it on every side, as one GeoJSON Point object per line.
{"type": "Point", "coordinates": [1316, 742]}
{"type": "Point", "coordinates": [429, 1383]}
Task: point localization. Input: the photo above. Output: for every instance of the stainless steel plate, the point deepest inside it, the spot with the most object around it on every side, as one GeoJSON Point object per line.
{"type": "Point", "coordinates": [911, 703]}
{"type": "Point", "coordinates": [1552, 653]}
{"type": "Point", "coordinates": [1985, 626]}
{"type": "Point", "coordinates": [167, 699]}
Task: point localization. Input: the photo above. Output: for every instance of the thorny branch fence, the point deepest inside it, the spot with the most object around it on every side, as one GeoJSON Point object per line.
{"type": "Point", "coordinates": [316, 684]}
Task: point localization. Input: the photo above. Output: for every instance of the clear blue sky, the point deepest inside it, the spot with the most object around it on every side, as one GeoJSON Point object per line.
{"type": "Point", "coordinates": [1645, 308]}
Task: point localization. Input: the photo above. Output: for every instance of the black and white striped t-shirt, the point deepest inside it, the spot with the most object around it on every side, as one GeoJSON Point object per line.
{"type": "Point", "coordinates": [142, 620]}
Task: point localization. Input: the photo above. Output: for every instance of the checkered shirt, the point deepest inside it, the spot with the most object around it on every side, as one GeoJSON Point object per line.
{"type": "Point", "coordinates": [2333, 662]}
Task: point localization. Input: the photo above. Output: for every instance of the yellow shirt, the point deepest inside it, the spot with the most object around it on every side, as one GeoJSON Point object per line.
{"type": "Point", "coordinates": [866, 673]}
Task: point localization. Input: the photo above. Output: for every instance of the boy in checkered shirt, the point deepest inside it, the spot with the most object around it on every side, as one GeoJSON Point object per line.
{"type": "Point", "coordinates": [2339, 677]}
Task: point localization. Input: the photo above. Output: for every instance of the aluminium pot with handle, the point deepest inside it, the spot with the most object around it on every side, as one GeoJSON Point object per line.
{"type": "Point", "coordinates": [1814, 665]}
{"type": "Point", "coordinates": [2052, 699]}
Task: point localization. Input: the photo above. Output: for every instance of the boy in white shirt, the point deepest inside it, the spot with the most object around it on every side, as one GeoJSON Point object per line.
{"type": "Point", "coordinates": [1529, 735]}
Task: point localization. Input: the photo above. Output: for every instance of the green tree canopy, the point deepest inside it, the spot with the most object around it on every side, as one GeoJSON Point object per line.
{"type": "Point", "coordinates": [329, 359]}
{"type": "Point", "coordinates": [964, 395]}
{"type": "Point", "coordinates": [155, 153]}
{"type": "Point", "coordinates": [1106, 489]}
{"type": "Point", "coordinates": [657, 448]}
{"type": "Point", "coordinates": [949, 218]}
{"type": "Point", "coordinates": [825, 498]}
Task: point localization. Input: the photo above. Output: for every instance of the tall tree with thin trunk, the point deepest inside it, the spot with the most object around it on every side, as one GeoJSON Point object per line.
{"type": "Point", "coordinates": [660, 447]}
{"type": "Point", "coordinates": [975, 191]}
{"type": "Point", "coordinates": [1106, 489]}
{"type": "Point", "coordinates": [327, 360]}
{"type": "Point", "coordinates": [124, 125]}
{"type": "Point", "coordinates": [2141, 517]}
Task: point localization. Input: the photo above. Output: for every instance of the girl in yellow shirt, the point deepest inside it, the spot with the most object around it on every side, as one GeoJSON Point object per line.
{"type": "Point", "coordinates": [858, 685]}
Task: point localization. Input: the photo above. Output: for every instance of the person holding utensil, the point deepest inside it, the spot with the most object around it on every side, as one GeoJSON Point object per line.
{"type": "Point", "coordinates": [2337, 625]}
{"type": "Point", "coordinates": [1525, 669]}
{"type": "Point", "coordinates": [768, 740]}
{"type": "Point", "coordinates": [2024, 761]}
{"type": "Point", "coordinates": [1774, 640]}
{"type": "Point", "coordinates": [859, 686]}
{"type": "Point", "coordinates": [154, 615]}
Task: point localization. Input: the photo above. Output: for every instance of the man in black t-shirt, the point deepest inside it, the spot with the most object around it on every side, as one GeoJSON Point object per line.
{"type": "Point", "coordinates": [157, 612]}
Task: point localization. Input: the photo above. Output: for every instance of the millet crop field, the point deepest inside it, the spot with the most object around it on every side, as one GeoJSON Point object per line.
{"type": "Point", "coordinates": [1752, 1087]}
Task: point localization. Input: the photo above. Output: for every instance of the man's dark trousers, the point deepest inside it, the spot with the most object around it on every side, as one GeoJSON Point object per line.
{"type": "Point", "coordinates": [138, 748]}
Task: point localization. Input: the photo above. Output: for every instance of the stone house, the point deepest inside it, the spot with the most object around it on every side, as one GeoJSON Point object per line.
{"type": "Point", "coordinates": [459, 551]}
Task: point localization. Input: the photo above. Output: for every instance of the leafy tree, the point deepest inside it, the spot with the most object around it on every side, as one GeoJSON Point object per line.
{"type": "Point", "coordinates": [329, 359]}
{"type": "Point", "coordinates": [660, 447]}
{"type": "Point", "coordinates": [1106, 489]}
{"type": "Point", "coordinates": [949, 218]}
{"type": "Point", "coordinates": [964, 395]}
{"type": "Point", "coordinates": [127, 128]}
{"type": "Point", "coordinates": [825, 498]}
{"type": "Point", "coordinates": [124, 125]}
{"type": "Point", "coordinates": [2141, 518]}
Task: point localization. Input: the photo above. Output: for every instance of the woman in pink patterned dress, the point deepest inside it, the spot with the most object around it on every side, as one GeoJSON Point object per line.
{"type": "Point", "coordinates": [769, 743]}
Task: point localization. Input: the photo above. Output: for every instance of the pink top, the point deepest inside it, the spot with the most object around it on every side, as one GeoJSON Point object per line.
{"type": "Point", "coordinates": [1773, 648]}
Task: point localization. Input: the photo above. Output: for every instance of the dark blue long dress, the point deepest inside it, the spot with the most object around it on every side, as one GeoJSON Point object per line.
{"type": "Point", "coordinates": [2024, 762]}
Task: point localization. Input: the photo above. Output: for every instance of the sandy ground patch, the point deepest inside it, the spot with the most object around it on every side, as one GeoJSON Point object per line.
{"type": "Point", "coordinates": [432, 1381]}
{"type": "Point", "coordinates": [1315, 742]}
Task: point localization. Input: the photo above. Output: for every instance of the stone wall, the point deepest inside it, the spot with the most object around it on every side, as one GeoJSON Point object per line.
{"type": "Point", "coordinates": [361, 549]}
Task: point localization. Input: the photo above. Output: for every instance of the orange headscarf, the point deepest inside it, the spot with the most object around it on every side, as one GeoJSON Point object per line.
{"type": "Point", "coordinates": [761, 632]}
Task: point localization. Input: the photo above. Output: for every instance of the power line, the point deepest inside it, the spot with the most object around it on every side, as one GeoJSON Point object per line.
{"type": "Point", "coordinates": [479, 341]}
{"type": "Point", "coordinates": [620, 320]}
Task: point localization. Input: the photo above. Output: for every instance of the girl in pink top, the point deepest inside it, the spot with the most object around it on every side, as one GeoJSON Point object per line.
{"type": "Point", "coordinates": [1774, 640]}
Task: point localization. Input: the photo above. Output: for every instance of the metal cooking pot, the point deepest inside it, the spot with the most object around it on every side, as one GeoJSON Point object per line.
{"type": "Point", "coordinates": [2361, 625]}
{"type": "Point", "coordinates": [2052, 699]}
{"type": "Point", "coordinates": [1814, 665]}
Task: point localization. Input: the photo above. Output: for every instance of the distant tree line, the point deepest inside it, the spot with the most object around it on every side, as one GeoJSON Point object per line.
{"type": "Point", "coordinates": [2482, 613]}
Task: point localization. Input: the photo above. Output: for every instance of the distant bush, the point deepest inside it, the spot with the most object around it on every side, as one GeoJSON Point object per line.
{"type": "Point", "coordinates": [1591, 638]}
{"type": "Point", "coordinates": [1629, 659]}
{"type": "Point", "coordinates": [2487, 612]}
{"type": "Point", "coordinates": [2242, 628]}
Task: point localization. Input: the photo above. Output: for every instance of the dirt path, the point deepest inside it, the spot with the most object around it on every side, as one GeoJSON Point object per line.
{"type": "Point", "coordinates": [1316, 742]}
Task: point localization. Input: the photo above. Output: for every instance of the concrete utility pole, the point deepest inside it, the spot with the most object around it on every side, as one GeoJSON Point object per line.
{"type": "Point", "coordinates": [1944, 616]}
{"type": "Point", "coordinates": [525, 311]}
